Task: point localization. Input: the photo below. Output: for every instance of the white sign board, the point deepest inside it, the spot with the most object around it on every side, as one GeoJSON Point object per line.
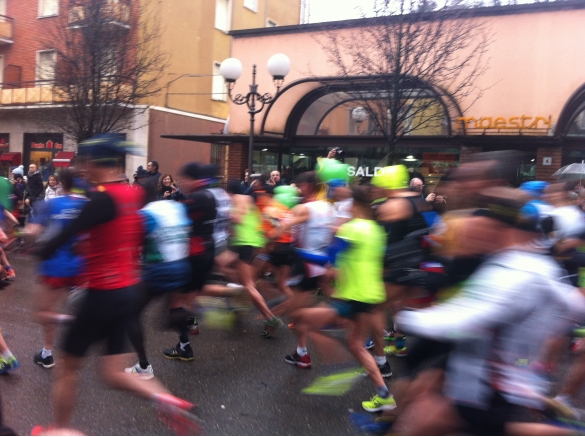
{"type": "Point", "coordinates": [547, 160]}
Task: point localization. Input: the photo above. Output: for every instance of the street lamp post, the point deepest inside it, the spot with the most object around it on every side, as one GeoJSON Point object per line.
{"type": "Point", "coordinates": [231, 69]}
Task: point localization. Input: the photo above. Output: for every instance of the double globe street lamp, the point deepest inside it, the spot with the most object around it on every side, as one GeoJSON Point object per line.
{"type": "Point", "coordinates": [231, 70]}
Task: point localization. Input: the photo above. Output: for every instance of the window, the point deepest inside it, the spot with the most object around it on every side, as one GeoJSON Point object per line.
{"type": "Point", "coordinates": [1, 70]}
{"type": "Point", "coordinates": [46, 65]}
{"type": "Point", "coordinates": [2, 7]}
{"type": "Point", "coordinates": [218, 87]}
{"type": "Point", "coordinates": [222, 14]}
{"type": "Point", "coordinates": [251, 4]}
{"type": "Point", "coordinates": [271, 23]}
{"type": "Point", "coordinates": [48, 8]}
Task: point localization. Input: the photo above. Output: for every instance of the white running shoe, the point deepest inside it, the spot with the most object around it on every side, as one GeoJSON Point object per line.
{"type": "Point", "coordinates": [147, 373]}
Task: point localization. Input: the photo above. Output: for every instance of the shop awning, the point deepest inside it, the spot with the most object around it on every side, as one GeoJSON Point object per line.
{"type": "Point", "coordinates": [12, 158]}
{"type": "Point", "coordinates": [63, 159]}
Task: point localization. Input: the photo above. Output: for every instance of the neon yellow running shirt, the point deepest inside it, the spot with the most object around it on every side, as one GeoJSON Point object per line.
{"type": "Point", "coordinates": [361, 265]}
{"type": "Point", "coordinates": [249, 231]}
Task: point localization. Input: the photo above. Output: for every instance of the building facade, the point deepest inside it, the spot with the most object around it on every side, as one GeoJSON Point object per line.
{"type": "Point", "coordinates": [194, 34]}
{"type": "Point", "coordinates": [533, 100]}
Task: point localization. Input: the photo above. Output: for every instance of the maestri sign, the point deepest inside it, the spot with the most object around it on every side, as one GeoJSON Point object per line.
{"type": "Point", "coordinates": [516, 122]}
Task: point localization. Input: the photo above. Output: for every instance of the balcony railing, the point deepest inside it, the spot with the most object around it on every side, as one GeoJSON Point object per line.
{"type": "Point", "coordinates": [39, 92]}
{"type": "Point", "coordinates": [6, 30]}
{"type": "Point", "coordinates": [27, 93]}
{"type": "Point", "coordinates": [115, 13]}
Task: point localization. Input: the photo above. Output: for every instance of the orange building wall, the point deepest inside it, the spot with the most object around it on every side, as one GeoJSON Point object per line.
{"type": "Point", "coordinates": [535, 65]}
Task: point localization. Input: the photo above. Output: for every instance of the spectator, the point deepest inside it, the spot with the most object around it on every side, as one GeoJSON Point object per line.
{"type": "Point", "coordinates": [167, 189]}
{"type": "Point", "coordinates": [34, 185]}
{"type": "Point", "coordinates": [151, 183]}
{"type": "Point", "coordinates": [275, 178]}
{"type": "Point", "coordinates": [245, 184]}
{"type": "Point", "coordinates": [140, 174]}
{"type": "Point", "coordinates": [54, 188]}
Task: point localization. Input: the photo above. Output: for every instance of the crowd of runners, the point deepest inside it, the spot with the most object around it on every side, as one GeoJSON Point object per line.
{"type": "Point", "coordinates": [476, 286]}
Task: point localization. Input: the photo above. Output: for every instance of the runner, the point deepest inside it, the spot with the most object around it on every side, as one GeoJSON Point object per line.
{"type": "Point", "coordinates": [357, 254]}
{"type": "Point", "coordinates": [115, 234]}
{"type": "Point", "coordinates": [165, 267]}
{"type": "Point", "coordinates": [64, 269]}
{"type": "Point", "coordinates": [246, 241]}
{"type": "Point", "coordinates": [202, 207]}
{"type": "Point", "coordinates": [311, 225]}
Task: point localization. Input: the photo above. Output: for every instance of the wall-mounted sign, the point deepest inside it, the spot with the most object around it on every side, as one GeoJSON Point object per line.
{"type": "Point", "coordinates": [547, 160]}
{"type": "Point", "coordinates": [363, 171]}
{"type": "Point", "coordinates": [4, 142]}
{"type": "Point", "coordinates": [47, 145]}
{"type": "Point", "coordinates": [517, 122]}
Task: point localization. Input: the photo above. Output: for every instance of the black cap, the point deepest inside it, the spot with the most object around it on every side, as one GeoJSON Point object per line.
{"type": "Point", "coordinates": [141, 173]}
{"type": "Point", "coordinates": [192, 170]}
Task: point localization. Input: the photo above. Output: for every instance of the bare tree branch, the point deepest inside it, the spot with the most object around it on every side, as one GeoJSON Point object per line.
{"type": "Point", "coordinates": [108, 62]}
{"type": "Point", "coordinates": [412, 67]}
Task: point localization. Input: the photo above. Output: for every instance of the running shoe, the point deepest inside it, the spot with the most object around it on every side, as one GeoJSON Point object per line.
{"type": "Point", "coordinates": [397, 352]}
{"type": "Point", "coordinates": [147, 373]}
{"type": "Point", "coordinates": [46, 362]}
{"type": "Point", "coordinates": [8, 364]}
{"type": "Point", "coordinates": [295, 359]}
{"type": "Point", "coordinates": [177, 414]}
{"type": "Point", "coordinates": [10, 275]}
{"type": "Point", "coordinates": [389, 335]}
{"type": "Point", "coordinates": [385, 370]}
{"type": "Point", "coordinates": [270, 327]}
{"type": "Point", "coordinates": [378, 403]}
{"type": "Point", "coordinates": [177, 353]}
{"type": "Point", "coordinates": [368, 425]}
{"type": "Point", "coordinates": [369, 344]}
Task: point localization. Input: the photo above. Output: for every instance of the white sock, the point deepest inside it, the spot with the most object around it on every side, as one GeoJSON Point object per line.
{"type": "Point", "coordinates": [302, 351]}
{"type": "Point", "coordinates": [7, 355]}
{"type": "Point", "coordinates": [46, 353]}
{"type": "Point", "coordinates": [183, 345]}
{"type": "Point", "coordinates": [380, 361]}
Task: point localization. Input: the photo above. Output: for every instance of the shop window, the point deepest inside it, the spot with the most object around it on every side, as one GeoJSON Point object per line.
{"type": "Point", "coordinates": [48, 8]}
{"type": "Point", "coordinates": [218, 86]}
{"type": "Point", "coordinates": [222, 15]}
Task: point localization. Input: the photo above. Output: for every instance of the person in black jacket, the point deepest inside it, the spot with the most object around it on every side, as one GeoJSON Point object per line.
{"type": "Point", "coordinates": [34, 186]}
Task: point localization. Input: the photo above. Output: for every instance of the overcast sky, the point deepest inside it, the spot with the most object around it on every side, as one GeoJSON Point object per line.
{"type": "Point", "coordinates": [332, 10]}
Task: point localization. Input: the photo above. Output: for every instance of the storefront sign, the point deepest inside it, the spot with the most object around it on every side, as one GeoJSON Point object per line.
{"type": "Point", "coordinates": [47, 145]}
{"type": "Point", "coordinates": [519, 122]}
{"type": "Point", "coordinates": [363, 171]}
{"type": "Point", "coordinates": [4, 142]}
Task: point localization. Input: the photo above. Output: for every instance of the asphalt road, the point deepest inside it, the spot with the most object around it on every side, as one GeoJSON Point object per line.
{"type": "Point", "coordinates": [239, 381]}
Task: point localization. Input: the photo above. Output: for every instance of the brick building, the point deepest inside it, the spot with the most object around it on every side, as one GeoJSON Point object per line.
{"type": "Point", "coordinates": [195, 35]}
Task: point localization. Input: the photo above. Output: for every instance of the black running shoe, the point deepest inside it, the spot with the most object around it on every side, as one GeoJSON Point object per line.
{"type": "Point", "coordinates": [177, 353]}
{"type": "Point", "coordinates": [47, 363]}
{"type": "Point", "coordinates": [385, 370]}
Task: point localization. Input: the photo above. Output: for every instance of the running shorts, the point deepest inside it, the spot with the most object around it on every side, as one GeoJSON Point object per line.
{"type": "Point", "coordinates": [201, 267]}
{"type": "Point", "coordinates": [348, 309]}
{"type": "Point", "coordinates": [245, 253]}
{"type": "Point", "coordinates": [169, 276]}
{"type": "Point", "coordinates": [69, 281]}
{"type": "Point", "coordinates": [282, 255]}
{"type": "Point", "coordinates": [493, 420]}
{"type": "Point", "coordinates": [309, 284]}
{"type": "Point", "coordinates": [103, 315]}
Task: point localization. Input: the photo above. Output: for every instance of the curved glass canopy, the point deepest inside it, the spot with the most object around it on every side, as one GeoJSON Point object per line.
{"type": "Point", "coordinates": [418, 112]}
